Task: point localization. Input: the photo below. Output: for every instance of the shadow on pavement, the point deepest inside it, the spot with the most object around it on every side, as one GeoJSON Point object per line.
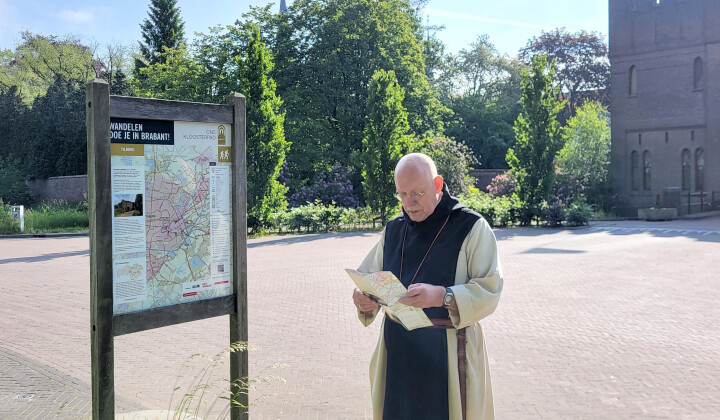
{"type": "Point", "coordinates": [295, 238]}
{"type": "Point", "coordinates": [45, 257]}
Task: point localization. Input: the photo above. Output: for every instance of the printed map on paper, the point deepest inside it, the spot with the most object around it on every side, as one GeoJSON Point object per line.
{"type": "Point", "coordinates": [386, 289]}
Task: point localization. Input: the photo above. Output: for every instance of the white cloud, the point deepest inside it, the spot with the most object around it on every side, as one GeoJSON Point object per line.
{"type": "Point", "coordinates": [77, 16]}
{"type": "Point", "coordinates": [445, 13]}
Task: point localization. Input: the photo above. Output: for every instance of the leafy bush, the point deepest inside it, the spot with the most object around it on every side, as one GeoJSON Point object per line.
{"type": "Point", "coordinates": [317, 217]}
{"type": "Point", "coordinates": [7, 224]}
{"type": "Point", "coordinates": [566, 189]}
{"type": "Point", "coordinates": [329, 187]}
{"type": "Point", "coordinates": [502, 185]}
{"type": "Point", "coordinates": [454, 161]}
{"type": "Point", "coordinates": [553, 214]}
{"type": "Point", "coordinates": [498, 211]}
{"type": "Point", "coordinates": [579, 214]}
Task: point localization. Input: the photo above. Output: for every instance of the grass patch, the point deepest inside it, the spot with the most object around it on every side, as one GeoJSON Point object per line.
{"type": "Point", "coordinates": [50, 217]}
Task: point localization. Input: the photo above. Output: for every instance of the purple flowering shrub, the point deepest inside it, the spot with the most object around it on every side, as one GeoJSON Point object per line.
{"type": "Point", "coordinates": [566, 202]}
{"type": "Point", "coordinates": [327, 188]}
{"type": "Point", "coordinates": [502, 185]}
{"type": "Point", "coordinates": [566, 189]}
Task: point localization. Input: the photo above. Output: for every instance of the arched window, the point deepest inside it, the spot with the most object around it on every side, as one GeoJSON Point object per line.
{"type": "Point", "coordinates": [686, 168]}
{"type": "Point", "coordinates": [699, 167]}
{"type": "Point", "coordinates": [635, 173]}
{"type": "Point", "coordinates": [698, 73]}
{"type": "Point", "coordinates": [632, 85]}
{"type": "Point", "coordinates": [647, 170]}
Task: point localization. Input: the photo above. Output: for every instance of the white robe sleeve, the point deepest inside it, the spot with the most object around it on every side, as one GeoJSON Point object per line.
{"type": "Point", "coordinates": [372, 263]}
{"type": "Point", "coordinates": [477, 292]}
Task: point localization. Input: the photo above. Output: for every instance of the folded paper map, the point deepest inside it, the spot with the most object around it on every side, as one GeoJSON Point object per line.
{"type": "Point", "coordinates": [386, 289]}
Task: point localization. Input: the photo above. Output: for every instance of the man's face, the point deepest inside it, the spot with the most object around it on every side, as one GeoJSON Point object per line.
{"type": "Point", "coordinates": [410, 183]}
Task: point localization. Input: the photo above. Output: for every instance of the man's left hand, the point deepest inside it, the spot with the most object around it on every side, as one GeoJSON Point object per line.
{"type": "Point", "coordinates": [423, 295]}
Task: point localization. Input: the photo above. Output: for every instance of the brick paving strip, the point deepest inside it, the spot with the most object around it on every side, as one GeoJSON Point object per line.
{"type": "Point", "coordinates": [618, 320]}
{"type": "Point", "coordinates": [32, 390]}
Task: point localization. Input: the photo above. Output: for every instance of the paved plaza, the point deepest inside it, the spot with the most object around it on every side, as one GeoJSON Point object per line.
{"type": "Point", "coordinates": [619, 320]}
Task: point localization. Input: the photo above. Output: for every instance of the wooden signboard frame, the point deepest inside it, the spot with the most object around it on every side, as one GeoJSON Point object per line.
{"type": "Point", "coordinates": [100, 107]}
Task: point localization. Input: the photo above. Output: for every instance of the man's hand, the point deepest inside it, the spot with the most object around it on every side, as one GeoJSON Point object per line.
{"type": "Point", "coordinates": [423, 295]}
{"type": "Point", "coordinates": [363, 302]}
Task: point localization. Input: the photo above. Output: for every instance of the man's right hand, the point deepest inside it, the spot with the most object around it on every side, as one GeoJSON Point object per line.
{"type": "Point", "coordinates": [363, 302]}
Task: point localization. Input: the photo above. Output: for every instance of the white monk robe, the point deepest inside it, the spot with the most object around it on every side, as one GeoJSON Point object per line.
{"type": "Point", "coordinates": [478, 284]}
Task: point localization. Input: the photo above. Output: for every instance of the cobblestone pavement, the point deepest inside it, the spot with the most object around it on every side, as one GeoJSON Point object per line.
{"type": "Point", "coordinates": [613, 321]}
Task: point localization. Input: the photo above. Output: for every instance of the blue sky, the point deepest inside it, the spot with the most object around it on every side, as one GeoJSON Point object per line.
{"type": "Point", "coordinates": [508, 23]}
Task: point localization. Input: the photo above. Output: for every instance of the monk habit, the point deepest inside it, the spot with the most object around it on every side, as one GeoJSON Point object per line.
{"type": "Point", "coordinates": [414, 374]}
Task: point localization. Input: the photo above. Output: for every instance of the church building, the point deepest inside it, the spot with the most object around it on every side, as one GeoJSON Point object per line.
{"type": "Point", "coordinates": [665, 104]}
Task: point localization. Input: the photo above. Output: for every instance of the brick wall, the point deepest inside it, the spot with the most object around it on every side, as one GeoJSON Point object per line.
{"type": "Point", "coordinates": [69, 188]}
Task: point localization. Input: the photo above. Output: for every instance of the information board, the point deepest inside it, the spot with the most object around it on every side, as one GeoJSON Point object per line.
{"type": "Point", "coordinates": [171, 212]}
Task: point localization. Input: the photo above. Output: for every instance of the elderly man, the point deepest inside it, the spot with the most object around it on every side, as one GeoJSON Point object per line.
{"type": "Point", "coordinates": [446, 255]}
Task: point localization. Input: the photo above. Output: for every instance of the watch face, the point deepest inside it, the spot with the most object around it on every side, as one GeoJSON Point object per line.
{"type": "Point", "coordinates": [448, 298]}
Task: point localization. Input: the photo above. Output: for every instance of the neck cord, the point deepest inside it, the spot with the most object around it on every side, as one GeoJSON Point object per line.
{"type": "Point", "coordinates": [402, 250]}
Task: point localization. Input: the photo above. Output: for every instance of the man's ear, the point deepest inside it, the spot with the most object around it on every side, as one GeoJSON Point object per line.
{"type": "Point", "coordinates": [438, 184]}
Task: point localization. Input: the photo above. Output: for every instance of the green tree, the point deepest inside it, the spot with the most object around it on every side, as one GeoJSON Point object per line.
{"type": "Point", "coordinates": [327, 52]}
{"type": "Point", "coordinates": [162, 28]}
{"type": "Point", "coordinates": [39, 60]}
{"type": "Point", "coordinates": [383, 142]}
{"type": "Point", "coordinates": [178, 76]}
{"type": "Point", "coordinates": [13, 115]}
{"type": "Point", "coordinates": [57, 145]}
{"type": "Point", "coordinates": [483, 89]}
{"type": "Point", "coordinates": [537, 138]}
{"type": "Point", "coordinates": [581, 60]}
{"type": "Point", "coordinates": [586, 154]}
{"type": "Point", "coordinates": [13, 189]}
{"type": "Point", "coordinates": [266, 143]}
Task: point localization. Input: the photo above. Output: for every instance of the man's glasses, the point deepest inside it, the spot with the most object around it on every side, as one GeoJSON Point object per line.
{"type": "Point", "coordinates": [405, 196]}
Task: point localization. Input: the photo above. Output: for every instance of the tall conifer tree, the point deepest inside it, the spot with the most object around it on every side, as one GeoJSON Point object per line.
{"type": "Point", "coordinates": [383, 141]}
{"type": "Point", "coordinates": [162, 28]}
{"type": "Point", "coordinates": [266, 144]}
{"type": "Point", "coordinates": [537, 136]}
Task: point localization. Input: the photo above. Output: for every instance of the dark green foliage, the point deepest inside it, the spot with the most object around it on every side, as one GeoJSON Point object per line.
{"type": "Point", "coordinates": [57, 144]}
{"type": "Point", "coordinates": [266, 144]}
{"type": "Point", "coordinates": [384, 141]}
{"type": "Point", "coordinates": [537, 138]}
{"type": "Point", "coordinates": [487, 128]}
{"type": "Point", "coordinates": [120, 85]}
{"type": "Point", "coordinates": [13, 114]}
{"type": "Point", "coordinates": [162, 28]}
{"type": "Point", "coordinates": [13, 189]}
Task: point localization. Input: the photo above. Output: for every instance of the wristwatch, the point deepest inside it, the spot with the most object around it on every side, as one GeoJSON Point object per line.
{"type": "Point", "coordinates": [449, 297]}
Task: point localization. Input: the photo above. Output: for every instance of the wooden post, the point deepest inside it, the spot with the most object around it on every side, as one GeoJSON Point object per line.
{"type": "Point", "coordinates": [97, 108]}
{"type": "Point", "coordinates": [238, 320]}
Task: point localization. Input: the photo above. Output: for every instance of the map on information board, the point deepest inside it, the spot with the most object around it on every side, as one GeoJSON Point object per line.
{"type": "Point", "coordinates": [171, 187]}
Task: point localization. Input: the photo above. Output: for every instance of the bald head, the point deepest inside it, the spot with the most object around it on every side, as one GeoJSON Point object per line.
{"type": "Point", "coordinates": [418, 162]}
{"type": "Point", "coordinates": [419, 185]}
